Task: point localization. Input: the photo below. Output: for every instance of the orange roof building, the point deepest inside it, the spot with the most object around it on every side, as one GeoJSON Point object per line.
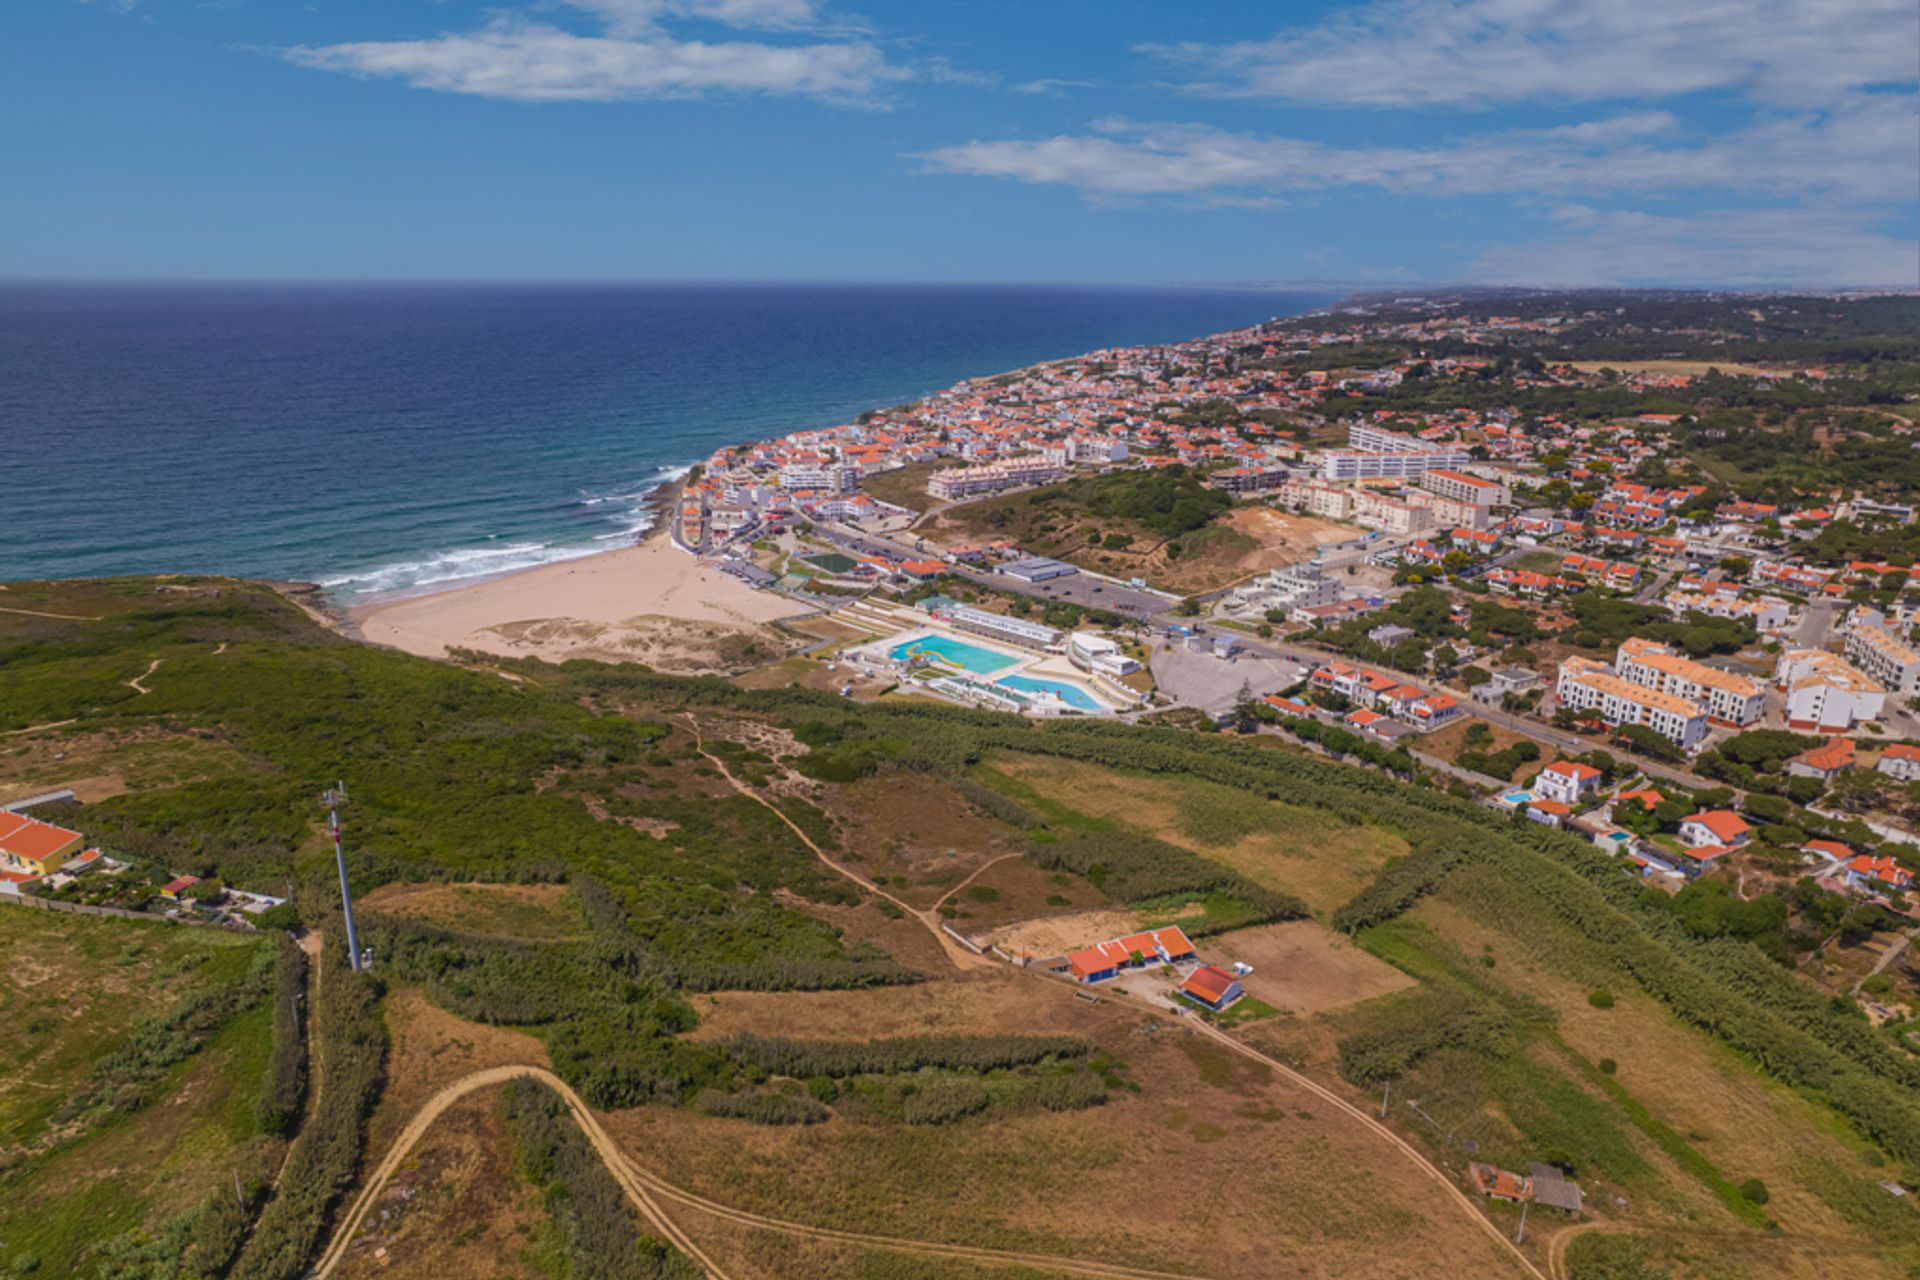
{"type": "Point", "coordinates": [1212, 986]}
{"type": "Point", "coordinates": [31, 847]}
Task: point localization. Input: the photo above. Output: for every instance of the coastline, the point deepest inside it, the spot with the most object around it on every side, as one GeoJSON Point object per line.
{"type": "Point", "coordinates": [646, 602]}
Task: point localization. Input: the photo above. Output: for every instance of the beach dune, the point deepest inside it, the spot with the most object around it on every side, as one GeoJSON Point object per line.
{"type": "Point", "coordinates": [649, 603]}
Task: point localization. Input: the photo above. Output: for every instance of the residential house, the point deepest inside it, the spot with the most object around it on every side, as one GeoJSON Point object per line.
{"type": "Point", "coordinates": [31, 847]}
{"type": "Point", "coordinates": [1825, 762]}
{"type": "Point", "coordinates": [1714, 827]}
{"type": "Point", "coordinates": [1878, 875]}
{"type": "Point", "coordinates": [1567, 781]}
{"type": "Point", "coordinates": [1212, 986]}
{"type": "Point", "coordinates": [1900, 761]}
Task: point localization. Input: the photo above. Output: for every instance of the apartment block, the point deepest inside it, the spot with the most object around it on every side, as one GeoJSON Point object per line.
{"type": "Point", "coordinates": [1885, 658]}
{"type": "Point", "coordinates": [1824, 694]}
{"type": "Point", "coordinates": [1730, 700]}
{"type": "Point", "coordinates": [1462, 486]}
{"type": "Point", "coordinates": [1586, 685]}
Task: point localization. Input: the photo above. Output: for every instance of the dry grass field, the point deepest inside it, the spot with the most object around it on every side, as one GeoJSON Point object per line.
{"type": "Point", "coordinates": [1301, 850]}
{"type": "Point", "coordinates": [523, 912]}
{"type": "Point", "coordinates": [1303, 968]}
{"type": "Point", "coordinates": [914, 836]}
{"type": "Point", "coordinates": [1243, 541]}
{"type": "Point", "coordinates": [1679, 368]}
{"type": "Point", "coordinates": [457, 1209]}
{"type": "Point", "coordinates": [1214, 1166]}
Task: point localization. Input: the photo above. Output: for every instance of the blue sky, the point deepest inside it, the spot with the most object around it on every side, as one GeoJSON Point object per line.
{"type": "Point", "coordinates": [1745, 142]}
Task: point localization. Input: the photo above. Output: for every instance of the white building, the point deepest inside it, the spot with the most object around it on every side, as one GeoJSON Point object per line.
{"type": "Point", "coordinates": [1884, 657]}
{"type": "Point", "coordinates": [1294, 586]}
{"type": "Point", "coordinates": [1390, 515]}
{"type": "Point", "coordinates": [1901, 762]}
{"type": "Point", "coordinates": [1823, 694]}
{"type": "Point", "coordinates": [1316, 498]}
{"type": "Point", "coordinates": [997, 626]}
{"type": "Point", "coordinates": [1462, 486]}
{"type": "Point", "coordinates": [837, 477]}
{"type": "Point", "coordinates": [1567, 781]}
{"type": "Point", "coordinates": [1729, 699]}
{"type": "Point", "coordinates": [1586, 685]}
{"type": "Point", "coordinates": [1767, 614]}
{"type": "Point", "coordinates": [1349, 465]}
{"type": "Point", "coordinates": [992, 477]}
{"type": "Point", "coordinates": [1450, 513]}
{"type": "Point", "coordinates": [1093, 652]}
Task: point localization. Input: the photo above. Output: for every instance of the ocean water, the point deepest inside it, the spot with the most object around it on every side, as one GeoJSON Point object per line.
{"type": "Point", "coordinates": [386, 438]}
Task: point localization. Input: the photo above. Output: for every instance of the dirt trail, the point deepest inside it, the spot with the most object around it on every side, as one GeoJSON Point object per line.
{"type": "Point", "coordinates": [42, 613]}
{"type": "Point", "coordinates": [135, 685]}
{"type": "Point", "coordinates": [948, 895]}
{"type": "Point", "coordinates": [1381, 1131]}
{"type": "Point", "coordinates": [35, 728]}
{"type": "Point", "coordinates": [646, 1190]}
{"type": "Point", "coordinates": [962, 958]}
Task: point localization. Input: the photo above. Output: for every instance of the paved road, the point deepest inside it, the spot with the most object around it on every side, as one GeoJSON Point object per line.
{"type": "Point", "coordinates": [1088, 590]}
{"type": "Point", "coordinates": [1815, 625]}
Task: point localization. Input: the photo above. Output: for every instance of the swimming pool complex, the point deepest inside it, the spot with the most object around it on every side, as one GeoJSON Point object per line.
{"type": "Point", "coordinates": [955, 653]}
{"type": "Point", "coordinates": [1071, 694]}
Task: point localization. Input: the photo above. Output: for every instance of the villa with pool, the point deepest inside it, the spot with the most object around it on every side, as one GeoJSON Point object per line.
{"type": "Point", "coordinates": [1010, 664]}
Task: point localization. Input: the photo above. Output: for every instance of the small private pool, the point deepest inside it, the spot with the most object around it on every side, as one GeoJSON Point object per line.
{"type": "Point", "coordinates": [1071, 694]}
{"type": "Point", "coordinates": [1517, 798]}
{"type": "Point", "coordinates": [955, 653]}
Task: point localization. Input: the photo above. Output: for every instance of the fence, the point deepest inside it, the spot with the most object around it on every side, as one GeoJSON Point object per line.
{"type": "Point", "coordinates": [119, 913]}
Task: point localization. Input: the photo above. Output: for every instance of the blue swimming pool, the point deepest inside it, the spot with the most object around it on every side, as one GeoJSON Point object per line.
{"type": "Point", "coordinates": [1071, 694]}
{"type": "Point", "coordinates": [955, 653]}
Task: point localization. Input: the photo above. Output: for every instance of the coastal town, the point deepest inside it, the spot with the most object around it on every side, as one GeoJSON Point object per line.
{"type": "Point", "coordinates": [1471, 736]}
{"type": "Point", "coordinates": [1634, 627]}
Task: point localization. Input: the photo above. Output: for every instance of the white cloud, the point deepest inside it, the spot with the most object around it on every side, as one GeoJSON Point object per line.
{"type": "Point", "coordinates": [527, 61]}
{"type": "Point", "coordinates": [1862, 148]}
{"type": "Point", "coordinates": [1753, 247]}
{"type": "Point", "coordinates": [1472, 53]}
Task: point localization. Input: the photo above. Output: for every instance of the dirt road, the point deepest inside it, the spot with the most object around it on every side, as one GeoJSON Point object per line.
{"type": "Point", "coordinates": [646, 1190]}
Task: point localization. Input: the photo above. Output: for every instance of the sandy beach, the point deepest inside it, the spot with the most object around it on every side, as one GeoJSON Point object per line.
{"type": "Point", "coordinates": [650, 603]}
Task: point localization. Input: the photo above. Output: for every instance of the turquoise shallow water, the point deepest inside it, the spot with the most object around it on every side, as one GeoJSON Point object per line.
{"type": "Point", "coordinates": [958, 653]}
{"type": "Point", "coordinates": [1071, 694]}
{"type": "Point", "coordinates": [384, 438]}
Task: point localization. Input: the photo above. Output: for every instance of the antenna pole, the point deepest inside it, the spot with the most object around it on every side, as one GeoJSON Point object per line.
{"type": "Point", "coordinates": [334, 799]}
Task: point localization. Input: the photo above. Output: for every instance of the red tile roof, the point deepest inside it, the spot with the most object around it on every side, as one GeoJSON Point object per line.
{"type": "Point", "coordinates": [1209, 982]}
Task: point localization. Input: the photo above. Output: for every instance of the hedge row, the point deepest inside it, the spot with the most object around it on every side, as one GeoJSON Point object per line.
{"type": "Point", "coordinates": [596, 1225]}
{"type": "Point", "coordinates": [351, 1040]}
{"type": "Point", "coordinates": [1452, 1021]}
{"type": "Point", "coordinates": [1137, 868]}
{"type": "Point", "coordinates": [762, 1106]}
{"type": "Point", "coordinates": [1400, 884]}
{"type": "Point", "coordinates": [278, 1107]}
{"type": "Point", "coordinates": [839, 1058]}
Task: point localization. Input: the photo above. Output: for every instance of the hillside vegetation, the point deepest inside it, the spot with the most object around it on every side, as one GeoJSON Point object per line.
{"type": "Point", "coordinates": [684, 896]}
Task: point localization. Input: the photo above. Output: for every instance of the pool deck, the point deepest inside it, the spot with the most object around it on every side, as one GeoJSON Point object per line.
{"type": "Point", "coordinates": [1036, 666]}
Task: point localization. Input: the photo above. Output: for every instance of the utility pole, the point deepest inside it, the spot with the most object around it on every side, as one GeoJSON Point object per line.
{"type": "Point", "coordinates": [335, 798]}
{"type": "Point", "coordinates": [1384, 1095]}
{"type": "Point", "coordinates": [1520, 1236]}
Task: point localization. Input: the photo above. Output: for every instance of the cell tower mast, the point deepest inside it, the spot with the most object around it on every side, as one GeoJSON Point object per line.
{"type": "Point", "coordinates": [335, 798]}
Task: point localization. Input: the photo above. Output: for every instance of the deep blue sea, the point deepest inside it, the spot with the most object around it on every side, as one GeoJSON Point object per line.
{"type": "Point", "coordinates": [381, 438]}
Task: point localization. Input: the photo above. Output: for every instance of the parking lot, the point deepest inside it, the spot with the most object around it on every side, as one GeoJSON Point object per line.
{"type": "Point", "coordinates": [1214, 684]}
